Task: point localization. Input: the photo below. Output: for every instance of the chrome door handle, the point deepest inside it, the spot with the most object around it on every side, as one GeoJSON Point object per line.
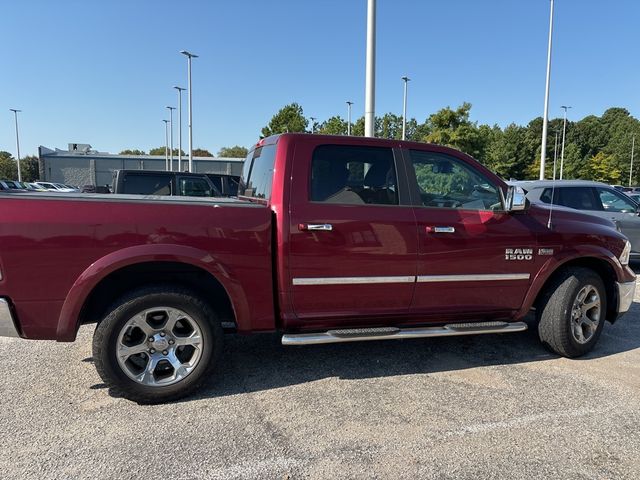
{"type": "Point", "coordinates": [323, 227]}
{"type": "Point", "coordinates": [440, 229]}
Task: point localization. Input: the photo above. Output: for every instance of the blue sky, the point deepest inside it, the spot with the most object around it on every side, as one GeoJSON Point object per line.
{"type": "Point", "coordinates": [102, 72]}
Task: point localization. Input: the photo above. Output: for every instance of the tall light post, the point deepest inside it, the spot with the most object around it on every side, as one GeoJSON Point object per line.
{"type": "Point", "coordinates": [190, 56]}
{"type": "Point", "coordinates": [180, 90]}
{"type": "Point", "coordinates": [633, 145]}
{"type": "Point", "coordinates": [15, 114]}
{"type": "Point", "coordinates": [171, 109]}
{"type": "Point", "coordinates": [370, 82]}
{"type": "Point", "coordinates": [545, 120]}
{"type": "Point", "coordinates": [406, 80]}
{"type": "Point", "coordinates": [564, 133]}
{"type": "Point", "coordinates": [349, 103]}
{"type": "Point", "coordinates": [555, 156]}
{"type": "Point", "coordinates": [313, 121]}
{"type": "Point", "coordinates": [166, 144]}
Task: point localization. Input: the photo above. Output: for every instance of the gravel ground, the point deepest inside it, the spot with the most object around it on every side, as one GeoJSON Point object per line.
{"type": "Point", "coordinates": [495, 406]}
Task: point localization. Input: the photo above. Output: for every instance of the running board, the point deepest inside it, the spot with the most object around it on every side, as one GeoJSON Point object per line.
{"type": "Point", "coordinates": [394, 333]}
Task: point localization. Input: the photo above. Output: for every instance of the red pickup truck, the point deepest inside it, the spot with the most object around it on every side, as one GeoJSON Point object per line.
{"type": "Point", "coordinates": [332, 239]}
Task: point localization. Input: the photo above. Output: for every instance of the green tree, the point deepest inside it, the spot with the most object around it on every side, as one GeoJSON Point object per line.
{"type": "Point", "coordinates": [333, 126]}
{"type": "Point", "coordinates": [233, 152]}
{"type": "Point", "coordinates": [454, 129]}
{"type": "Point", "coordinates": [132, 152]}
{"type": "Point", "coordinates": [157, 151]}
{"type": "Point", "coordinates": [29, 168]}
{"type": "Point", "coordinates": [8, 166]}
{"type": "Point", "coordinates": [202, 152]}
{"type": "Point", "coordinates": [603, 168]}
{"type": "Point", "coordinates": [289, 118]}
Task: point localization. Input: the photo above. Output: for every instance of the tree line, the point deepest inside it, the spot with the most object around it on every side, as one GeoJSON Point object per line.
{"type": "Point", "coordinates": [596, 148]}
{"type": "Point", "coordinates": [226, 152]}
{"type": "Point", "coordinates": [28, 167]}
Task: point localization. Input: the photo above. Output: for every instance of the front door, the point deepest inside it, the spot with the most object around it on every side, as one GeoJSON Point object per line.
{"type": "Point", "coordinates": [623, 212]}
{"type": "Point", "coordinates": [352, 242]}
{"type": "Point", "coordinates": [474, 258]}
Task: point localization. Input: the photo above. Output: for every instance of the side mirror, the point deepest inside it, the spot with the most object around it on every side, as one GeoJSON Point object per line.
{"type": "Point", "coordinates": [516, 199]}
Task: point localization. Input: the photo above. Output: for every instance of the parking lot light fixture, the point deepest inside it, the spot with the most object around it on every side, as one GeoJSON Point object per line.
{"type": "Point", "coordinates": [15, 114]}
{"type": "Point", "coordinates": [190, 56]}
{"type": "Point", "coordinates": [171, 109]}
{"type": "Point", "coordinates": [406, 81]}
{"type": "Point", "coordinates": [180, 90]}
{"type": "Point", "coordinates": [564, 133]}
{"type": "Point", "coordinates": [166, 144]}
{"type": "Point", "coordinates": [545, 119]}
{"type": "Point", "coordinates": [349, 103]}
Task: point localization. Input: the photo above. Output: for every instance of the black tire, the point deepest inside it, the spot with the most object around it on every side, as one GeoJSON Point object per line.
{"type": "Point", "coordinates": [555, 307]}
{"type": "Point", "coordinates": [105, 342]}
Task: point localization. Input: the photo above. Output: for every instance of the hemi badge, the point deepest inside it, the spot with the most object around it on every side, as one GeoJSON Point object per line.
{"type": "Point", "coordinates": [545, 251]}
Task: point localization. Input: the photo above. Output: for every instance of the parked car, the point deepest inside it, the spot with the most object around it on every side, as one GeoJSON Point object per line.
{"type": "Point", "coordinates": [594, 198]}
{"type": "Point", "coordinates": [12, 185]}
{"type": "Point", "coordinates": [55, 187]}
{"type": "Point", "coordinates": [226, 184]}
{"type": "Point", "coordinates": [148, 182]}
{"type": "Point", "coordinates": [33, 187]}
{"type": "Point", "coordinates": [331, 239]}
{"type": "Point", "coordinates": [95, 189]}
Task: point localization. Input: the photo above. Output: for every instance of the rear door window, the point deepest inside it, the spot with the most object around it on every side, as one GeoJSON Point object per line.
{"type": "Point", "coordinates": [147, 184]}
{"type": "Point", "coordinates": [194, 187]}
{"type": "Point", "coordinates": [579, 198]}
{"type": "Point", "coordinates": [351, 175]}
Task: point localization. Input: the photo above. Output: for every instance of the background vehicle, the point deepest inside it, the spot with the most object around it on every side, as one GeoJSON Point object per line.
{"type": "Point", "coordinates": [55, 187]}
{"type": "Point", "coordinates": [227, 185]}
{"type": "Point", "coordinates": [147, 182]}
{"type": "Point", "coordinates": [594, 198]}
{"type": "Point", "coordinates": [95, 189]}
{"type": "Point", "coordinates": [12, 185]}
{"type": "Point", "coordinates": [332, 239]}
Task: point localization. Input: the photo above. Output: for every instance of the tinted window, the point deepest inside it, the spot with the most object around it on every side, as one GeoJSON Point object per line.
{"type": "Point", "coordinates": [612, 201]}
{"type": "Point", "coordinates": [257, 173]}
{"type": "Point", "coordinates": [353, 175]}
{"type": "Point", "coordinates": [580, 198]}
{"type": "Point", "coordinates": [194, 187]}
{"type": "Point", "coordinates": [446, 182]}
{"type": "Point", "coordinates": [147, 184]}
{"type": "Point", "coordinates": [216, 180]}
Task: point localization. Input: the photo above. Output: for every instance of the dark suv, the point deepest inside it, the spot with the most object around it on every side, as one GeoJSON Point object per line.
{"type": "Point", "coordinates": [149, 182]}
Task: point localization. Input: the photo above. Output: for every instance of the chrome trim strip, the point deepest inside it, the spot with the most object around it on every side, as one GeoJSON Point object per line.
{"type": "Point", "coordinates": [386, 333]}
{"type": "Point", "coordinates": [473, 278]}
{"type": "Point", "coordinates": [626, 292]}
{"type": "Point", "coordinates": [7, 326]}
{"type": "Point", "coordinates": [352, 280]}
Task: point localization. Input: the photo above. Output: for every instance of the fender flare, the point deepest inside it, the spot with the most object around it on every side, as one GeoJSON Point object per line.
{"type": "Point", "coordinates": [556, 262]}
{"type": "Point", "coordinates": [68, 321]}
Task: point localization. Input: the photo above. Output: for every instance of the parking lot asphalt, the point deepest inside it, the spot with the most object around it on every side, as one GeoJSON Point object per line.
{"type": "Point", "coordinates": [494, 406]}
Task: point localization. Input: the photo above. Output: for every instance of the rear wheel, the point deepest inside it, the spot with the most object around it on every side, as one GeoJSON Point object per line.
{"type": "Point", "coordinates": [157, 344]}
{"type": "Point", "coordinates": [571, 312]}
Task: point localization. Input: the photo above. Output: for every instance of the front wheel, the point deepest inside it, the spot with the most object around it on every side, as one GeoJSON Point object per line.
{"type": "Point", "coordinates": [571, 312]}
{"type": "Point", "coordinates": [157, 344]}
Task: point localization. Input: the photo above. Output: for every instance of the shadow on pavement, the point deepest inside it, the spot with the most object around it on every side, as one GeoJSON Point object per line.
{"type": "Point", "coordinates": [259, 362]}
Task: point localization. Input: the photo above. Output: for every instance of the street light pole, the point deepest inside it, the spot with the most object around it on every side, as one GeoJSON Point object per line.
{"type": "Point", "coordinates": [564, 133]}
{"type": "Point", "coordinates": [313, 121]}
{"type": "Point", "coordinates": [349, 103]}
{"type": "Point", "coordinates": [406, 80]}
{"type": "Point", "coordinates": [180, 90]}
{"type": "Point", "coordinates": [545, 121]}
{"type": "Point", "coordinates": [370, 82]}
{"type": "Point", "coordinates": [15, 114]}
{"type": "Point", "coordinates": [555, 157]}
{"type": "Point", "coordinates": [633, 145]}
{"type": "Point", "coordinates": [190, 56]}
{"type": "Point", "coordinates": [171, 109]}
{"type": "Point", "coordinates": [166, 145]}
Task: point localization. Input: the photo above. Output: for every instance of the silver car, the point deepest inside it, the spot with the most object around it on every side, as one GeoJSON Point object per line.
{"type": "Point", "coordinates": [594, 198]}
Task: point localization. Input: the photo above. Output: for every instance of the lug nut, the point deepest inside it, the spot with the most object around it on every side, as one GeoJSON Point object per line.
{"type": "Point", "coordinates": [171, 342]}
{"type": "Point", "coordinates": [153, 350]}
{"type": "Point", "coordinates": [151, 339]}
{"type": "Point", "coordinates": [164, 352]}
{"type": "Point", "coordinates": [162, 334]}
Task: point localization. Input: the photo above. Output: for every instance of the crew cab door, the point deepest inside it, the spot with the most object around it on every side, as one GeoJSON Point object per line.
{"type": "Point", "coordinates": [352, 241]}
{"type": "Point", "coordinates": [474, 258]}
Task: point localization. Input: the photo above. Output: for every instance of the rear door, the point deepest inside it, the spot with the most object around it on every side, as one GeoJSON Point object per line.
{"type": "Point", "coordinates": [352, 243]}
{"type": "Point", "coordinates": [474, 258]}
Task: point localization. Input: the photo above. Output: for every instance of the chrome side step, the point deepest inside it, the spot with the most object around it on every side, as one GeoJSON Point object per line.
{"type": "Point", "coordinates": [394, 333]}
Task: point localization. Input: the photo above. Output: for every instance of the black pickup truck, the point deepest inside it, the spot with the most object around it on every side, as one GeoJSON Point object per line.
{"type": "Point", "coordinates": [150, 182]}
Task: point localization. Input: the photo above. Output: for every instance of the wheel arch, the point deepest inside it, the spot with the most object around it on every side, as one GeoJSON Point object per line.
{"type": "Point", "coordinates": [604, 265]}
{"type": "Point", "coordinates": [112, 275]}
